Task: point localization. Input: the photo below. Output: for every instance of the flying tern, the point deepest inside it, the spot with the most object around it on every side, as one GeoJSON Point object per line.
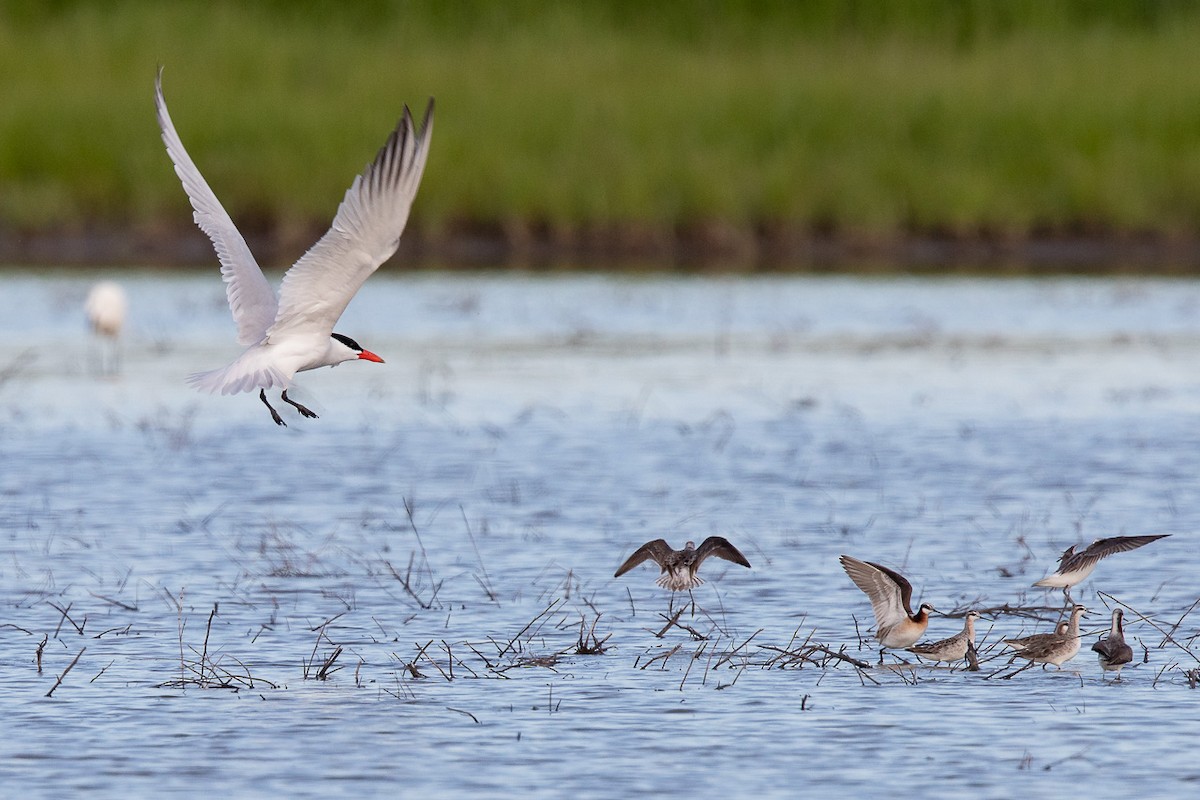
{"type": "Point", "coordinates": [294, 333]}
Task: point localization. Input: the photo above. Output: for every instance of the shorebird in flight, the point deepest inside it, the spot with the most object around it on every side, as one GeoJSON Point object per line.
{"type": "Point", "coordinates": [890, 593]}
{"type": "Point", "coordinates": [1112, 651]}
{"type": "Point", "coordinates": [1074, 566]}
{"type": "Point", "coordinates": [294, 333]}
{"type": "Point", "coordinates": [679, 567]}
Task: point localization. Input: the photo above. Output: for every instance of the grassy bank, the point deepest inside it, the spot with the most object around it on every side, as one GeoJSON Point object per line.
{"type": "Point", "coordinates": [858, 119]}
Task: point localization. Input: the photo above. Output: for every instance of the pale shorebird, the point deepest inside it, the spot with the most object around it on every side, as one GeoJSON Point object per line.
{"type": "Point", "coordinates": [890, 593]}
{"type": "Point", "coordinates": [1112, 650]}
{"type": "Point", "coordinates": [1054, 648]}
{"type": "Point", "coordinates": [1073, 566]}
{"type": "Point", "coordinates": [954, 648]}
{"type": "Point", "coordinates": [106, 307]}
{"type": "Point", "coordinates": [295, 332]}
{"type": "Point", "coordinates": [679, 566]}
{"type": "Point", "coordinates": [1021, 643]}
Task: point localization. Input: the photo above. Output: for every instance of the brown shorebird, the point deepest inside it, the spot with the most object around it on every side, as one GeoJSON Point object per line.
{"type": "Point", "coordinates": [890, 593]}
{"type": "Point", "coordinates": [1073, 566]}
{"type": "Point", "coordinates": [1052, 648]}
{"type": "Point", "coordinates": [1020, 644]}
{"type": "Point", "coordinates": [1112, 650]}
{"type": "Point", "coordinates": [679, 566]}
{"type": "Point", "coordinates": [953, 649]}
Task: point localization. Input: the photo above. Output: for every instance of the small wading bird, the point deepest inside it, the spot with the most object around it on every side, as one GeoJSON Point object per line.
{"type": "Point", "coordinates": [954, 648]}
{"type": "Point", "coordinates": [106, 306]}
{"type": "Point", "coordinates": [679, 566]}
{"type": "Point", "coordinates": [1024, 641]}
{"type": "Point", "coordinates": [295, 332]}
{"type": "Point", "coordinates": [1112, 651]}
{"type": "Point", "coordinates": [1051, 648]}
{"type": "Point", "coordinates": [890, 593]}
{"type": "Point", "coordinates": [1073, 567]}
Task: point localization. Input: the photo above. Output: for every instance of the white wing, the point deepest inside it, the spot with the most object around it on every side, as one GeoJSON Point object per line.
{"type": "Point", "coordinates": [250, 296]}
{"type": "Point", "coordinates": [885, 594]}
{"type": "Point", "coordinates": [364, 234]}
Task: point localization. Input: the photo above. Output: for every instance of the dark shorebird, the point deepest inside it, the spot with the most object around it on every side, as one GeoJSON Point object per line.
{"type": "Point", "coordinates": [679, 566]}
{"type": "Point", "coordinates": [953, 649]}
{"type": "Point", "coordinates": [1112, 650]}
{"type": "Point", "coordinates": [890, 593]}
{"type": "Point", "coordinates": [1073, 566]}
{"type": "Point", "coordinates": [1052, 648]}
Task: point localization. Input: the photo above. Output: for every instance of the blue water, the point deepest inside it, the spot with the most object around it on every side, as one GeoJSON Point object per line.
{"type": "Point", "coordinates": [461, 509]}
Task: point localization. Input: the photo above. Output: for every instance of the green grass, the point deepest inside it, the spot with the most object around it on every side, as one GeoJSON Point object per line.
{"type": "Point", "coordinates": [1009, 118]}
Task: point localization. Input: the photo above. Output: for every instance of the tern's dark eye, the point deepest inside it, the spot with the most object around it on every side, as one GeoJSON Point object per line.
{"type": "Point", "coordinates": [346, 340]}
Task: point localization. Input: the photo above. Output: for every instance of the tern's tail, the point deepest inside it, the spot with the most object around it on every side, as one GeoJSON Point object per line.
{"type": "Point", "coordinates": [238, 378]}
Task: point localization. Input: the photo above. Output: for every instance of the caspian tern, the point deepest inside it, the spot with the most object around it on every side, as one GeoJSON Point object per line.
{"type": "Point", "coordinates": [295, 332]}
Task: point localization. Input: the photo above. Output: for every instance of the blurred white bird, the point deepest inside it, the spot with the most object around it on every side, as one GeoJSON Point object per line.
{"type": "Point", "coordinates": [106, 307]}
{"type": "Point", "coordinates": [295, 332]}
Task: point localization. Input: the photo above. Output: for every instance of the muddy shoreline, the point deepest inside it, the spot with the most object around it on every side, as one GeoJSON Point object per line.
{"type": "Point", "coordinates": [628, 247]}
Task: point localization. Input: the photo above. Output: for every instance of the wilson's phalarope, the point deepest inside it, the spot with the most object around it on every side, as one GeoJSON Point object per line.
{"type": "Point", "coordinates": [1020, 644]}
{"type": "Point", "coordinates": [1073, 567]}
{"type": "Point", "coordinates": [1112, 650]}
{"type": "Point", "coordinates": [1055, 648]}
{"type": "Point", "coordinates": [890, 593]}
{"type": "Point", "coordinates": [679, 566]}
{"type": "Point", "coordinates": [953, 649]}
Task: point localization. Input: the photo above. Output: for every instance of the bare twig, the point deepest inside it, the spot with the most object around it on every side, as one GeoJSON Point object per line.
{"type": "Point", "coordinates": [207, 633]}
{"type": "Point", "coordinates": [734, 651]}
{"type": "Point", "coordinates": [408, 508]}
{"type": "Point", "coordinates": [589, 644]}
{"type": "Point", "coordinates": [468, 713]}
{"type": "Point", "coordinates": [101, 672]}
{"type": "Point", "coordinates": [673, 620]}
{"type": "Point", "coordinates": [663, 656]}
{"type": "Point", "coordinates": [114, 602]}
{"type": "Point", "coordinates": [486, 582]}
{"type": "Point", "coordinates": [70, 667]}
{"type": "Point", "coordinates": [541, 616]}
{"type": "Point", "coordinates": [66, 616]}
{"type": "Point", "coordinates": [699, 652]}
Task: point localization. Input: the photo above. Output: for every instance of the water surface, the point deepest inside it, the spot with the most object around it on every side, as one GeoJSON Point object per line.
{"type": "Point", "coordinates": [456, 514]}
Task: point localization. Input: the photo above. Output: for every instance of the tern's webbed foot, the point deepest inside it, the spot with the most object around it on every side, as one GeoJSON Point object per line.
{"type": "Point", "coordinates": [304, 412]}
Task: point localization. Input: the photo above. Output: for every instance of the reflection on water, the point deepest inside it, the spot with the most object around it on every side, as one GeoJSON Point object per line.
{"type": "Point", "coordinates": [439, 546]}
